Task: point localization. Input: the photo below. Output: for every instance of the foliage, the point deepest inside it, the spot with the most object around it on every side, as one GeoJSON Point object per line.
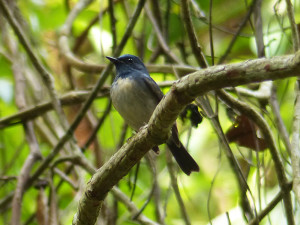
{"type": "Point", "coordinates": [213, 195]}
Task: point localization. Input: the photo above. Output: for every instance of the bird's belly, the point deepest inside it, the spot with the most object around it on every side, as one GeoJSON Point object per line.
{"type": "Point", "coordinates": [134, 103]}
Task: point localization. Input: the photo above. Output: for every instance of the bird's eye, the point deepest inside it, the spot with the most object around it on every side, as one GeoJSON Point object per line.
{"type": "Point", "coordinates": [130, 60]}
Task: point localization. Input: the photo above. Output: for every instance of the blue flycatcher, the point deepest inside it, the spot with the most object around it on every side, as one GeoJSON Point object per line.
{"type": "Point", "coordinates": [135, 95]}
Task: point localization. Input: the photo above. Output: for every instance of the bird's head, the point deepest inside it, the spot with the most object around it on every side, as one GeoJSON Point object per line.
{"type": "Point", "coordinates": [128, 62]}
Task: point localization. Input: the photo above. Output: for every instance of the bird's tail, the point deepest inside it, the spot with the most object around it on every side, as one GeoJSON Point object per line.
{"type": "Point", "coordinates": [183, 158]}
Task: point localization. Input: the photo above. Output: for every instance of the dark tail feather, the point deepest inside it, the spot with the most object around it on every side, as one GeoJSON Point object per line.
{"type": "Point", "coordinates": [183, 158]}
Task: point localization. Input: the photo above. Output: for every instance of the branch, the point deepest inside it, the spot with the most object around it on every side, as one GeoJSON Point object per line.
{"type": "Point", "coordinates": [278, 119]}
{"type": "Point", "coordinates": [263, 92]}
{"type": "Point", "coordinates": [35, 154]}
{"type": "Point", "coordinates": [182, 93]}
{"type": "Point", "coordinates": [271, 205]}
{"type": "Point", "coordinates": [131, 207]}
{"type": "Point", "coordinates": [45, 75]}
{"type": "Point", "coordinates": [242, 25]}
{"type": "Point", "coordinates": [196, 48]}
{"type": "Point", "coordinates": [80, 5]}
{"type": "Point", "coordinates": [174, 184]}
{"type": "Point", "coordinates": [68, 134]}
{"type": "Point", "coordinates": [160, 37]}
{"type": "Point", "coordinates": [244, 108]}
{"type": "Point", "coordinates": [295, 33]}
{"type": "Point", "coordinates": [250, 71]}
{"type": "Point", "coordinates": [23, 177]}
{"type": "Point", "coordinates": [295, 154]}
{"type": "Point", "coordinates": [71, 98]}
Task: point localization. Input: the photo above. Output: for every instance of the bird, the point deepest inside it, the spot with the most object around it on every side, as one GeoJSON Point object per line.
{"type": "Point", "coordinates": [135, 95]}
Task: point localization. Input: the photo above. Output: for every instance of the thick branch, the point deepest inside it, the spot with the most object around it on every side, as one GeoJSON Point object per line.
{"type": "Point", "coordinates": [250, 71]}
{"type": "Point", "coordinates": [182, 93]}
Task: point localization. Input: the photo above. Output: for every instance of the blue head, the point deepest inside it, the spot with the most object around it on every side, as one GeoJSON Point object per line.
{"type": "Point", "coordinates": [127, 64]}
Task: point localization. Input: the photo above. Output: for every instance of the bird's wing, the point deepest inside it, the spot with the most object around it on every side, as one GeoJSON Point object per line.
{"type": "Point", "coordinates": [154, 88]}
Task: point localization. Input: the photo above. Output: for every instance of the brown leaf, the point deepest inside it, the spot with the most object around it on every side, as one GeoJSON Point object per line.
{"type": "Point", "coordinates": [244, 133]}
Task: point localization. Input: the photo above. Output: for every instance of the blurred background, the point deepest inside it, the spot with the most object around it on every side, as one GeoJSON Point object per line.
{"type": "Point", "coordinates": [227, 31]}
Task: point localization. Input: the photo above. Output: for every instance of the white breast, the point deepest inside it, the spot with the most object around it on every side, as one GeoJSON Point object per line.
{"type": "Point", "coordinates": [133, 101]}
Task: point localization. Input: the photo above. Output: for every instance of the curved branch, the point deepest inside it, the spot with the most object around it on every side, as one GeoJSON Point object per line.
{"type": "Point", "coordinates": [182, 93]}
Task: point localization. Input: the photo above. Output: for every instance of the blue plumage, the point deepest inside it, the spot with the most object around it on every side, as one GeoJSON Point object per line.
{"type": "Point", "coordinates": [135, 95]}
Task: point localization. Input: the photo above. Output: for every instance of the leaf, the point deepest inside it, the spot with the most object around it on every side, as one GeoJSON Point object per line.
{"type": "Point", "coordinates": [245, 133]}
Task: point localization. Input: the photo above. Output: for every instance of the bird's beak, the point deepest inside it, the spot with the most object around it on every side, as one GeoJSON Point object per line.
{"type": "Point", "coordinates": [112, 59]}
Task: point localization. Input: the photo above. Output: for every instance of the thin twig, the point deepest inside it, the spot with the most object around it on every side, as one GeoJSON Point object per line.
{"type": "Point", "coordinates": [244, 108]}
{"type": "Point", "coordinates": [260, 48]}
{"type": "Point", "coordinates": [295, 155]}
{"type": "Point", "coordinates": [271, 205]}
{"type": "Point", "coordinates": [46, 76]}
{"type": "Point", "coordinates": [233, 162]}
{"type": "Point", "coordinates": [204, 103]}
{"type": "Point", "coordinates": [295, 150]}
{"type": "Point", "coordinates": [174, 184]}
{"type": "Point", "coordinates": [278, 119]}
{"type": "Point", "coordinates": [160, 37]}
{"type": "Point", "coordinates": [80, 6]}
{"type": "Point", "coordinates": [259, 36]}
{"type": "Point", "coordinates": [97, 127]}
{"type": "Point", "coordinates": [35, 154]}
{"type": "Point", "coordinates": [112, 23]}
{"type": "Point", "coordinates": [29, 113]}
{"type": "Point", "coordinates": [263, 93]}
{"type": "Point", "coordinates": [53, 217]}
{"type": "Point", "coordinates": [295, 32]}
{"type": "Point", "coordinates": [131, 207]}
{"type": "Point", "coordinates": [118, 194]}
{"type": "Point", "coordinates": [93, 215]}
{"type": "Point", "coordinates": [196, 48]}
{"type": "Point", "coordinates": [160, 216]}
{"type": "Point", "coordinates": [211, 42]}
{"type": "Point", "coordinates": [243, 24]}
{"type": "Point", "coordinates": [65, 178]}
